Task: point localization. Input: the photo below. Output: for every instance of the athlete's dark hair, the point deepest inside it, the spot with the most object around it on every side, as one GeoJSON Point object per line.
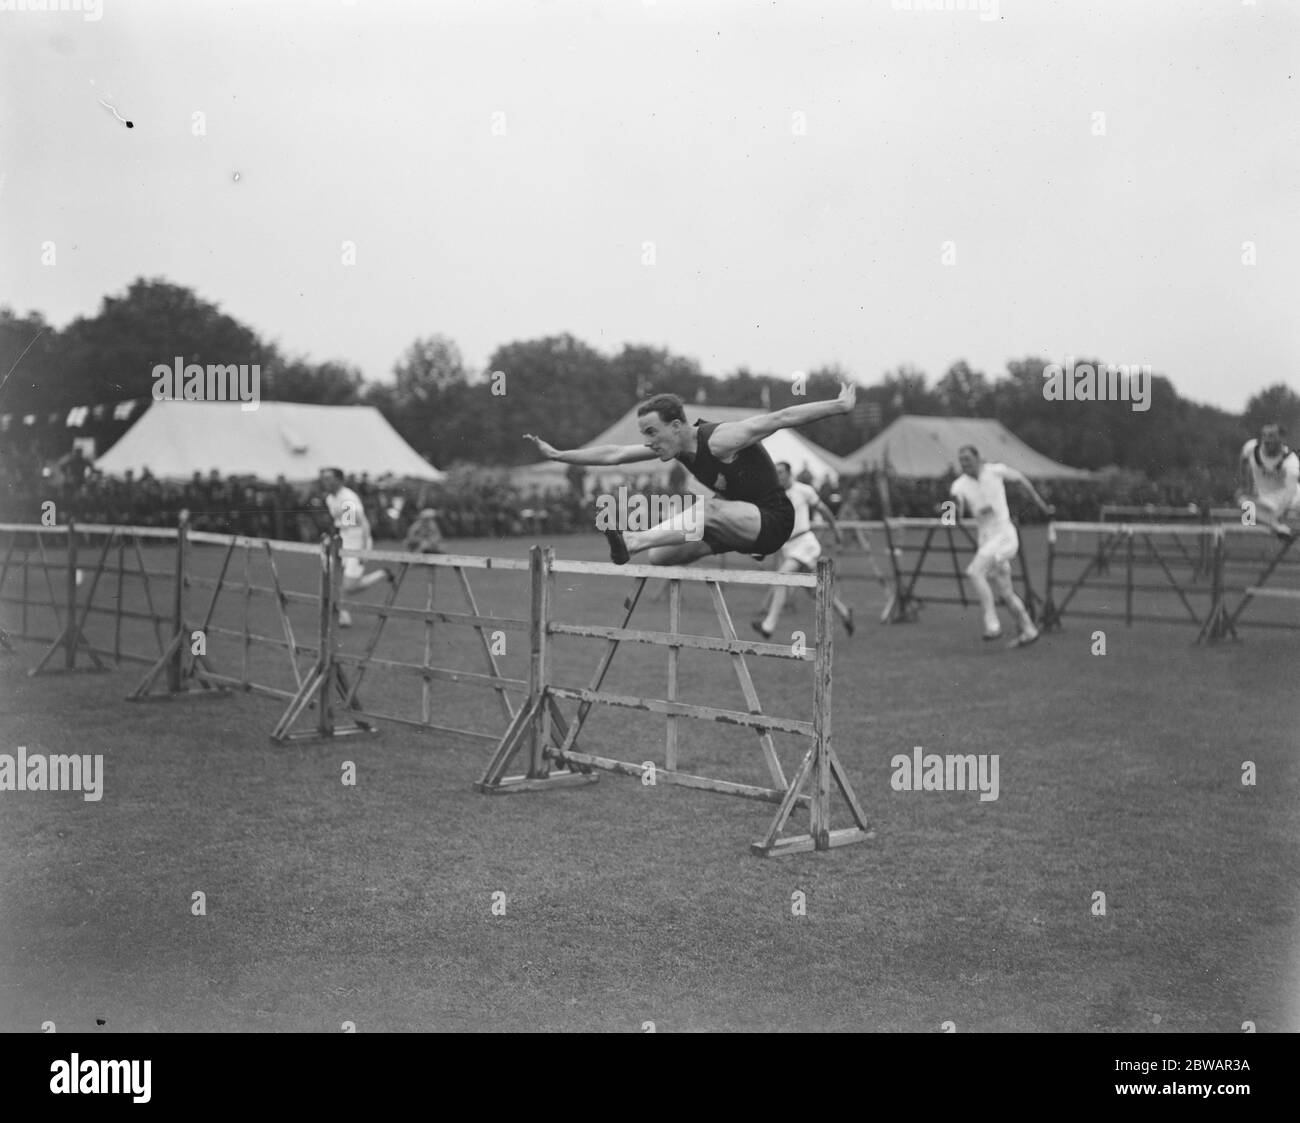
{"type": "Point", "coordinates": [667, 406]}
{"type": "Point", "coordinates": [337, 473]}
{"type": "Point", "coordinates": [786, 465]}
{"type": "Point", "coordinates": [973, 450]}
{"type": "Point", "coordinates": [1281, 429]}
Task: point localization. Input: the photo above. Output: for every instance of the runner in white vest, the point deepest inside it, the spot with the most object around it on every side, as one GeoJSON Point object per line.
{"type": "Point", "coordinates": [982, 488]}
{"type": "Point", "coordinates": [350, 521]}
{"type": "Point", "coordinates": [1269, 475]}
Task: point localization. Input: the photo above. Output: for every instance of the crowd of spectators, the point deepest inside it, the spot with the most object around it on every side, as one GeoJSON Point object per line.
{"type": "Point", "coordinates": [483, 502]}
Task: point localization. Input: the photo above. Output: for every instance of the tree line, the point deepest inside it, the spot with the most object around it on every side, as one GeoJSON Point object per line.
{"type": "Point", "coordinates": [566, 390]}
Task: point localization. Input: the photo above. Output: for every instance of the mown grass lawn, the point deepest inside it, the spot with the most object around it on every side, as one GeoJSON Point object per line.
{"type": "Point", "coordinates": [627, 904]}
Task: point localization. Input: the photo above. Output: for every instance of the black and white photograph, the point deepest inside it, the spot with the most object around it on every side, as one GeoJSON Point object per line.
{"type": "Point", "coordinates": [650, 516]}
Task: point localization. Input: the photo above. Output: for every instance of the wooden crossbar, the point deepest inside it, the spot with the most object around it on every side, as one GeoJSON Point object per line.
{"type": "Point", "coordinates": [437, 561]}
{"type": "Point", "coordinates": [252, 588]}
{"type": "Point", "coordinates": [112, 531]}
{"type": "Point", "coordinates": [1264, 591]}
{"type": "Point", "coordinates": [33, 528]}
{"type": "Point", "coordinates": [432, 674]}
{"type": "Point", "coordinates": [682, 709]}
{"type": "Point", "coordinates": [1196, 530]}
{"type": "Point", "coordinates": [676, 641]}
{"type": "Point", "coordinates": [427, 615]}
{"type": "Point", "coordinates": [235, 540]}
{"type": "Point", "coordinates": [695, 576]}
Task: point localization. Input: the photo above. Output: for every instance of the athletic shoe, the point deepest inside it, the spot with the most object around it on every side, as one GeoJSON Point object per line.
{"type": "Point", "coordinates": [989, 637]}
{"type": "Point", "coordinates": [757, 625]}
{"type": "Point", "coordinates": [1285, 533]}
{"type": "Point", "coordinates": [1024, 639]}
{"type": "Point", "coordinates": [617, 547]}
{"type": "Point", "coordinates": [848, 622]}
{"type": "Point", "coordinates": [345, 618]}
{"type": "Point", "coordinates": [392, 577]}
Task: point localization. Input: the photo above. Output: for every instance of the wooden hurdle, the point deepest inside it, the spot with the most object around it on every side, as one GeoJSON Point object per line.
{"type": "Point", "coordinates": [1120, 541]}
{"type": "Point", "coordinates": [23, 537]}
{"type": "Point", "coordinates": [1228, 619]}
{"type": "Point", "coordinates": [179, 670]}
{"type": "Point", "coordinates": [1190, 516]}
{"type": "Point", "coordinates": [73, 639]}
{"type": "Point", "coordinates": [550, 741]}
{"type": "Point", "coordinates": [333, 684]}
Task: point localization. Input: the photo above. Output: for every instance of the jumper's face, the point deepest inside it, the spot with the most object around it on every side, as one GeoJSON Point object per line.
{"type": "Point", "coordinates": [330, 483]}
{"type": "Point", "coordinates": [970, 463]}
{"type": "Point", "coordinates": [783, 477]}
{"type": "Point", "coordinates": [1270, 436]}
{"type": "Point", "coordinates": [664, 438]}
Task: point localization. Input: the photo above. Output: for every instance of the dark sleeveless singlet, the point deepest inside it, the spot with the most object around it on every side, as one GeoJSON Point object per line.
{"type": "Point", "coordinates": [750, 478]}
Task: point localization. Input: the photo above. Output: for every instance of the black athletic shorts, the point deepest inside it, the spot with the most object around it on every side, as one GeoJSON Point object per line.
{"type": "Point", "coordinates": [776, 522]}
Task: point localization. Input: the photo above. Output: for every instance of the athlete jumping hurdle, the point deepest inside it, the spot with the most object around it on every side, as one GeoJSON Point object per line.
{"type": "Point", "coordinates": [982, 488]}
{"type": "Point", "coordinates": [748, 513]}
{"type": "Point", "coordinates": [1269, 474]}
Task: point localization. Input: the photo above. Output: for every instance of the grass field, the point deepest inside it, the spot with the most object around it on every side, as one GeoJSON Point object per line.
{"type": "Point", "coordinates": [627, 904]}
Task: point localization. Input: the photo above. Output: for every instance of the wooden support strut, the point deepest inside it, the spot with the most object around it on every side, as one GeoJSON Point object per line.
{"type": "Point", "coordinates": [175, 659]}
{"type": "Point", "coordinates": [326, 678]}
{"type": "Point", "coordinates": [73, 637]}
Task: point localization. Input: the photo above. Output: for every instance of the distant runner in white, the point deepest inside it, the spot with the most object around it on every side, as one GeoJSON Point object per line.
{"type": "Point", "coordinates": [801, 549]}
{"type": "Point", "coordinates": [1269, 473]}
{"type": "Point", "coordinates": [982, 488]}
{"type": "Point", "coordinates": [350, 520]}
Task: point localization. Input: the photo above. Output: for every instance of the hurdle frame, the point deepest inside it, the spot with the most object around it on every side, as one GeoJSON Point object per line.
{"type": "Point", "coordinates": [329, 687]}
{"type": "Point", "coordinates": [541, 730]}
{"type": "Point", "coordinates": [905, 604]}
{"type": "Point", "coordinates": [72, 638]}
{"type": "Point", "coordinates": [1226, 619]}
{"type": "Point", "coordinates": [1191, 516]}
{"type": "Point", "coordinates": [1217, 623]}
{"type": "Point", "coordinates": [24, 566]}
{"type": "Point", "coordinates": [179, 669]}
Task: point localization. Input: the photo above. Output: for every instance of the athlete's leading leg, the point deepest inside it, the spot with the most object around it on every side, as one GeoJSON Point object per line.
{"type": "Point", "coordinates": [977, 572]}
{"type": "Point", "coordinates": [356, 581]}
{"type": "Point", "coordinates": [1001, 580]}
{"type": "Point", "coordinates": [684, 554]}
{"type": "Point", "coordinates": [374, 577]}
{"type": "Point", "coordinates": [730, 522]}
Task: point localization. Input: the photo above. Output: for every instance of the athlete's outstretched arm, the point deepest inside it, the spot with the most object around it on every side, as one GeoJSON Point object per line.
{"type": "Point", "coordinates": [731, 436]}
{"type": "Point", "coordinates": [601, 454]}
{"type": "Point", "coordinates": [1014, 475]}
{"type": "Point", "coordinates": [822, 509]}
{"type": "Point", "coordinates": [1245, 480]}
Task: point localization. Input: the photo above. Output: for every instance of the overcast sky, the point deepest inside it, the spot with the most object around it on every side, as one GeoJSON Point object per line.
{"type": "Point", "coordinates": [796, 168]}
